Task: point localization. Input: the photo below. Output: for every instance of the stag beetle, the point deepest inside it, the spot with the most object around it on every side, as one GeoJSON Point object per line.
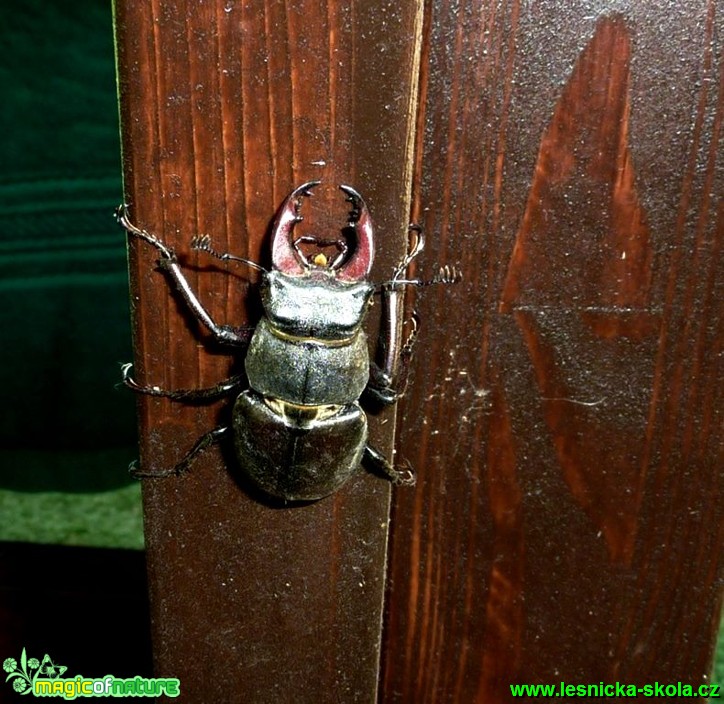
{"type": "Point", "coordinates": [299, 431]}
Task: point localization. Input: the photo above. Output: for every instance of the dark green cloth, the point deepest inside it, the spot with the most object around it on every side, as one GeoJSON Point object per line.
{"type": "Point", "coordinates": [64, 321]}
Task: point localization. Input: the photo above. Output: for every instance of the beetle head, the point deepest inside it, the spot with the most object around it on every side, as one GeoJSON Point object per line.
{"type": "Point", "coordinates": [289, 257]}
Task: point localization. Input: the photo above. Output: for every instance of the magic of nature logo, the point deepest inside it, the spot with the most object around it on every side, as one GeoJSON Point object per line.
{"type": "Point", "coordinates": [44, 678]}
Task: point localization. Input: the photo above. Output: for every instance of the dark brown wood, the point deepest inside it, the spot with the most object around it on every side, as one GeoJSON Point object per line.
{"type": "Point", "coordinates": [226, 106]}
{"type": "Point", "coordinates": [564, 413]}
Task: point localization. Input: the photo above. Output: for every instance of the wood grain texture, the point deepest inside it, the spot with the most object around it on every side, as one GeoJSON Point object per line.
{"type": "Point", "coordinates": [564, 413]}
{"type": "Point", "coordinates": [226, 106]}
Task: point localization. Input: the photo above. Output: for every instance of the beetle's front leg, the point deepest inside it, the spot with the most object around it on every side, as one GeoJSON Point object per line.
{"type": "Point", "coordinates": [169, 263]}
{"type": "Point", "coordinates": [388, 382]}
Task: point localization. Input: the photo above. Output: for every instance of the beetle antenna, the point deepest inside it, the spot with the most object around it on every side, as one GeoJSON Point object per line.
{"type": "Point", "coordinates": [202, 243]}
{"type": "Point", "coordinates": [445, 275]}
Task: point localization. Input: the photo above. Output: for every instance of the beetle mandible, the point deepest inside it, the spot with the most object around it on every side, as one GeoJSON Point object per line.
{"type": "Point", "coordinates": [298, 429]}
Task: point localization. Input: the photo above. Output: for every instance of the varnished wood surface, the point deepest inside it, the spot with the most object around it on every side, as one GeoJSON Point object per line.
{"type": "Point", "coordinates": [227, 106]}
{"type": "Point", "coordinates": [564, 408]}
{"type": "Point", "coordinates": [564, 411]}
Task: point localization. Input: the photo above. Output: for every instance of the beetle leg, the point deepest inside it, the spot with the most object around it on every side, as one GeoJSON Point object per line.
{"type": "Point", "coordinates": [402, 476]}
{"type": "Point", "coordinates": [385, 387]}
{"type": "Point", "coordinates": [203, 443]}
{"type": "Point", "coordinates": [223, 388]}
{"type": "Point", "coordinates": [169, 263]}
{"type": "Point", "coordinates": [388, 381]}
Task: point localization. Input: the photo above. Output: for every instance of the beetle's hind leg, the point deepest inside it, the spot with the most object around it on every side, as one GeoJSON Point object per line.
{"type": "Point", "coordinates": [223, 388]}
{"type": "Point", "coordinates": [400, 476]}
{"type": "Point", "coordinates": [203, 443]}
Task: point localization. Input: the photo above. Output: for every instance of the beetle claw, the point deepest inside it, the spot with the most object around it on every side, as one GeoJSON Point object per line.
{"type": "Point", "coordinates": [359, 265]}
{"type": "Point", "coordinates": [167, 254]}
{"type": "Point", "coordinates": [405, 475]}
{"type": "Point", "coordinates": [303, 191]}
{"type": "Point", "coordinates": [412, 336]}
{"type": "Point", "coordinates": [357, 203]}
{"type": "Point", "coordinates": [284, 258]}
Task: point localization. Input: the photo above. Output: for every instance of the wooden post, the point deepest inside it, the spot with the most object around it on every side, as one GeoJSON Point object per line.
{"type": "Point", "coordinates": [567, 523]}
{"type": "Point", "coordinates": [226, 106]}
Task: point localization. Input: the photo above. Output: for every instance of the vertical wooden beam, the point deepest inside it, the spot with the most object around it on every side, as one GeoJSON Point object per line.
{"type": "Point", "coordinates": [226, 106]}
{"type": "Point", "coordinates": [567, 523]}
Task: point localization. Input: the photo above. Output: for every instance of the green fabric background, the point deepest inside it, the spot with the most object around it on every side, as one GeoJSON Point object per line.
{"type": "Point", "coordinates": [67, 432]}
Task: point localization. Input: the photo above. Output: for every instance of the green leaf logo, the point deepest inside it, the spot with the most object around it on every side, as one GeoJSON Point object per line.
{"type": "Point", "coordinates": [24, 674]}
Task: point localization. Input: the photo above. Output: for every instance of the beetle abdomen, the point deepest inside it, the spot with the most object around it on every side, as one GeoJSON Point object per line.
{"type": "Point", "coordinates": [298, 454]}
